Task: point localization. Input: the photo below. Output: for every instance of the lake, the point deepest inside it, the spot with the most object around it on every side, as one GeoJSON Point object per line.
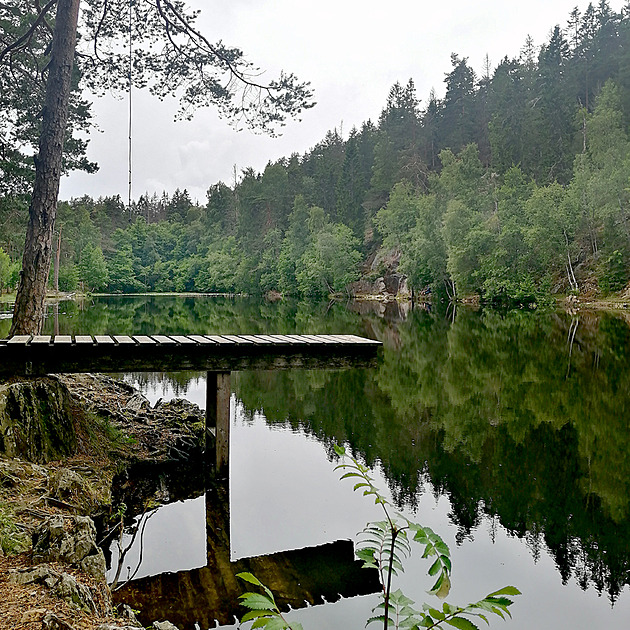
{"type": "Point", "coordinates": [507, 432]}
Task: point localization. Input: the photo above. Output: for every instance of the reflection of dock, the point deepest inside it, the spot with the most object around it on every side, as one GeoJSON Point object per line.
{"type": "Point", "coordinates": [203, 595]}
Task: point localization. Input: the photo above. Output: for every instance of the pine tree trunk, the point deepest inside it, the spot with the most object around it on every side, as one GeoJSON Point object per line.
{"type": "Point", "coordinates": [28, 315]}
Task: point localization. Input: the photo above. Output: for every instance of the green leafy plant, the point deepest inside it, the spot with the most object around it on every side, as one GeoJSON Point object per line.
{"type": "Point", "coordinates": [385, 545]}
{"type": "Point", "coordinates": [263, 608]}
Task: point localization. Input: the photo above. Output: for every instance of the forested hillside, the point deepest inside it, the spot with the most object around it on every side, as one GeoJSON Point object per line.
{"type": "Point", "coordinates": [514, 185]}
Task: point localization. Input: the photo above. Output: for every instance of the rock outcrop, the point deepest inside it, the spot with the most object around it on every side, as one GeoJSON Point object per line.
{"type": "Point", "coordinates": [69, 539]}
{"type": "Point", "coordinates": [36, 420]}
{"type": "Point", "coordinates": [62, 585]}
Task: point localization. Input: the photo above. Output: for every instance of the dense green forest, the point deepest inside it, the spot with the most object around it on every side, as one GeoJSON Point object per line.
{"type": "Point", "coordinates": [513, 186]}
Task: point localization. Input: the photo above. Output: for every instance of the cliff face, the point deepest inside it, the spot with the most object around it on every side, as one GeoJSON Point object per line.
{"type": "Point", "coordinates": [36, 420]}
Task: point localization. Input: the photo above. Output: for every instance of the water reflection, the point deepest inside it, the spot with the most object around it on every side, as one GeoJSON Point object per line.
{"type": "Point", "coordinates": [519, 421]}
{"type": "Point", "coordinates": [519, 417]}
{"type": "Point", "coordinates": [182, 568]}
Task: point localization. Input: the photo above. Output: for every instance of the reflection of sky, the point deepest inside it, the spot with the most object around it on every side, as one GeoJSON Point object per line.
{"type": "Point", "coordinates": [173, 538]}
{"type": "Point", "coordinates": [285, 494]}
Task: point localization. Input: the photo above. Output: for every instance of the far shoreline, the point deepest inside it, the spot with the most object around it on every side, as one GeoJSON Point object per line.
{"type": "Point", "coordinates": [615, 302]}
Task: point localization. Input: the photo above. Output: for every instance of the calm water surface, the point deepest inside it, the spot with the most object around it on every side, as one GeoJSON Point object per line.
{"type": "Point", "coordinates": [508, 433]}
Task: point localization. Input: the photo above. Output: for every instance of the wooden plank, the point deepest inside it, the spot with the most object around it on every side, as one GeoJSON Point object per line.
{"type": "Point", "coordinates": [41, 339]}
{"type": "Point", "coordinates": [183, 339]}
{"type": "Point", "coordinates": [144, 340]}
{"type": "Point", "coordinates": [316, 339]}
{"type": "Point", "coordinates": [238, 339]}
{"type": "Point", "coordinates": [163, 340]}
{"type": "Point", "coordinates": [104, 340]}
{"type": "Point", "coordinates": [219, 339]}
{"type": "Point", "coordinates": [310, 339]}
{"type": "Point", "coordinates": [202, 340]}
{"type": "Point", "coordinates": [364, 341]}
{"type": "Point", "coordinates": [62, 340]}
{"type": "Point", "coordinates": [337, 339]}
{"type": "Point", "coordinates": [124, 340]}
{"type": "Point", "coordinates": [284, 339]}
{"type": "Point", "coordinates": [19, 340]}
{"type": "Point", "coordinates": [259, 340]}
{"type": "Point", "coordinates": [83, 340]}
{"type": "Point", "coordinates": [299, 339]}
{"type": "Point", "coordinates": [278, 340]}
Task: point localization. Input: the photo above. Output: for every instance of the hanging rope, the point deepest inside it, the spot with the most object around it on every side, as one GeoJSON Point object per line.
{"type": "Point", "coordinates": [130, 110]}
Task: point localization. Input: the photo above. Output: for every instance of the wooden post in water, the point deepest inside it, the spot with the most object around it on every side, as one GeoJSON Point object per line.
{"type": "Point", "coordinates": [218, 392]}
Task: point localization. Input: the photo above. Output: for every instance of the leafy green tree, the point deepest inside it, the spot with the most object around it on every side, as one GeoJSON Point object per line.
{"type": "Point", "coordinates": [515, 130]}
{"type": "Point", "coordinates": [467, 228]}
{"type": "Point", "coordinates": [68, 277]}
{"type": "Point", "coordinates": [220, 213]}
{"type": "Point", "coordinates": [458, 116]}
{"type": "Point", "coordinates": [76, 229]}
{"type": "Point", "coordinates": [352, 185]}
{"type": "Point", "coordinates": [395, 220]}
{"type": "Point", "coordinates": [601, 174]}
{"type": "Point", "coordinates": [268, 269]}
{"type": "Point", "coordinates": [397, 153]}
{"type": "Point", "coordinates": [557, 108]}
{"type": "Point", "coordinates": [550, 233]}
{"type": "Point", "coordinates": [178, 207]}
{"type": "Point", "coordinates": [120, 268]}
{"type": "Point", "coordinates": [505, 272]}
{"type": "Point", "coordinates": [294, 245]}
{"type": "Point", "coordinates": [93, 268]}
{"type": "Point", "coordinates": [424, 258]}
{"type": "Point", "coordinates": [219, 271]}
{"type": "Point", "coordinates": [5, 270]}
{"type": "Point", "coordinates": [330, 263]}
{"type": "Point", "coordinates": [323, 166]}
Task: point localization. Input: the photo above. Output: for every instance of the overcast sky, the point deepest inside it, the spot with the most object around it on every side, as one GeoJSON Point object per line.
{"type": "Point", "coordinates": [352, 52]}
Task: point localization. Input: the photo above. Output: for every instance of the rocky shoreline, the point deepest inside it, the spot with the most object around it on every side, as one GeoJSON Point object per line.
{"type": "Point", "coordinates": [55, 483]}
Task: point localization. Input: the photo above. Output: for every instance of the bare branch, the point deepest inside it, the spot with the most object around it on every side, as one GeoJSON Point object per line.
{"type": "Point", "coordinates": [193, 32]}
{"type": "Point", "coordinates": [98, 28]}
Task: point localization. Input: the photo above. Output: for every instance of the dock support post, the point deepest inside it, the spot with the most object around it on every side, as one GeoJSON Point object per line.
{"type": "Point", "coordinates": [218, 392]}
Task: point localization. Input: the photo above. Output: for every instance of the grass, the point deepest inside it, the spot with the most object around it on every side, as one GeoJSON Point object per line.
{"type": "Point", "coordinates": [13, 538]}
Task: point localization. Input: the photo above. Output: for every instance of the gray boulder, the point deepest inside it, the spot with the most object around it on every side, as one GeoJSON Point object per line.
{"type": "Point", "coordinates": [61, 585]}
{"type": "Point", "coordinates": [71, 540]}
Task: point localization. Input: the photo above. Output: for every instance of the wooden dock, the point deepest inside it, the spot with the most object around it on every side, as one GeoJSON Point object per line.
{"type": "Point", "coordinates": [44, 354]}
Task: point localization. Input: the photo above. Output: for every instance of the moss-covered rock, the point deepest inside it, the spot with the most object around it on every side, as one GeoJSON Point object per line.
{"type": "Point", "coordinates": [36, 420]}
